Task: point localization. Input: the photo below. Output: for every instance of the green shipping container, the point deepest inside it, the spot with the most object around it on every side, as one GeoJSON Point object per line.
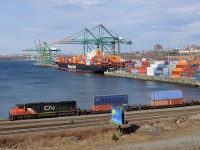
{"type": "Point", "coordinates": [184, 73]}
{"type": "Point", "coordinates": [197, 75]}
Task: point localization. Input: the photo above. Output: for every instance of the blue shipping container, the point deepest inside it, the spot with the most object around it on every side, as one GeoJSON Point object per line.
{"type": "Point", "coordinates": [195, 65]}
{"type": "Point", "coordinates": [164, 95]}
{"type": "Point", "coordinates": [158, 71]}
{"type": "Point", "coordinates": [116, 100]}
{"type": "Point", "coordinates": [166, 63]}
{"type": "Point", "coordinates": [166, 74]}
{"type": "Point", "coordinates": [197, 78]}
{"type": "Point", "coordinates": [158, 74]}
{"type": "Point", "coordinates": [134, 72]}
{"type": "Point", "coordinates": [159, 68]}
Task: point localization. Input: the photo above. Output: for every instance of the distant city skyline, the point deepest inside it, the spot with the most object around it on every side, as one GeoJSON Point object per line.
{"type": "Point", "coordinates": [146, 23]}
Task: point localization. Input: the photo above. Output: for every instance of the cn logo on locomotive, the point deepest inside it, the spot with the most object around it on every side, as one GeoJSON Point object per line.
{"type": "Point", "coordinates": [49, 107]}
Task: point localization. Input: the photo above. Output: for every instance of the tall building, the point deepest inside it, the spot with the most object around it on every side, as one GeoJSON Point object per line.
{"type": "Point", "coordinates": [157, 47]}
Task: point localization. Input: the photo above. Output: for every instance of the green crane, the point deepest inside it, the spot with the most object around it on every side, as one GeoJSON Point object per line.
{"type": "Point", "coordinates": [100, 37]}
{"type": "Point", "coordinates": [44, 53]}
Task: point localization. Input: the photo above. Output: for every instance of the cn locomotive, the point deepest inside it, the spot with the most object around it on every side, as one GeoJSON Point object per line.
{"type": "Point", "coordinates": [43, 109]}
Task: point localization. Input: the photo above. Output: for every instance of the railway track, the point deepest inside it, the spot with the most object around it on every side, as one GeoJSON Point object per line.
{"type": "Point", "coordinates": [74, 122]}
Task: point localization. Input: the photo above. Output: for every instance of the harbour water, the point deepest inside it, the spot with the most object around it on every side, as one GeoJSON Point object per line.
{"type": "Point", "coordinates": [23, 82]}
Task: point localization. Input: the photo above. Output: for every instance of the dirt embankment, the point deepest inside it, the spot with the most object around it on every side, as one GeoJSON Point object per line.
{"type": "Point", "coordinates": [178, 133]}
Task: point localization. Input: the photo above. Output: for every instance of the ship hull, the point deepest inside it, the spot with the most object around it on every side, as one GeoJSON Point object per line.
{"type": "Point", "coordinates": [84, 68]}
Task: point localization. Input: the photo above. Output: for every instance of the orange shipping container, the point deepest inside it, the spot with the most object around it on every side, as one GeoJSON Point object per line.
{"type": "Point", "coordinates": [183, 62]}
{"type": "Point", "coordinates": [176, 76]}
{"type": "Point", "coordinates": [83, 56]}
{"type": "Point", "coordinates": [166, 102]}
{"type": "Point", "coordinates": [178, 69]}
{"type": "Point", "coordinates": [159, 102]}
{"type": "Point", "coordinates": [176, 101]}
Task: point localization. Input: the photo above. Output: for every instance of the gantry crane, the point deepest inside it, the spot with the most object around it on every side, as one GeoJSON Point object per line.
{"type": "Point", "coordinates": [101, 37]}
{"type": "Point", "coordinates": [44, 53]}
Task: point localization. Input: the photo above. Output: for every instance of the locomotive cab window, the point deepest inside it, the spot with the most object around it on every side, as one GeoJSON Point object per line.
{"type": "Point", "coordinates": [20, 107]}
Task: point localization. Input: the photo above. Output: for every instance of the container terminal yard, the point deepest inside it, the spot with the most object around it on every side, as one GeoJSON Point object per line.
{"type": "Point", "coordinates": [178, 72]}
{"type": "Point", "coordinates": [107, 57]}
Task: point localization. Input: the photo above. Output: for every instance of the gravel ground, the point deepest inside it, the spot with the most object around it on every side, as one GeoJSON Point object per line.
{"type": "Point", "coordinates": [176, 134]}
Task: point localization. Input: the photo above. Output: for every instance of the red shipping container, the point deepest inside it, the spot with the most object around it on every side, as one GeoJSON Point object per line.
{"type": "Point", "coordinates": [146, 63]}
{"type": "Point", "coordinates": [166, 102]}
{"type": "Point", "coordinates": [136, 67]}
{"type": "Point", "coordinates": [129, 70]}
{"type": "Point", "coordinates": [142, 71]}
{"type": "Point", "coordinates": [177, 72]}
{"type": "Point", "coordinates": [104, 107]}
{"type": "Point", "coordinates": [180, 66]}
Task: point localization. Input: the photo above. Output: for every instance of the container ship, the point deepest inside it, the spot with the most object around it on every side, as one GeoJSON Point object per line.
{"type": "Point", "coordinates": [93, 62]}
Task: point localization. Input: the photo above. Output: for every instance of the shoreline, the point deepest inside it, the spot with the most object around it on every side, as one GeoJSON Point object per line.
{"type": "Point", "coordinates": [189, 82]}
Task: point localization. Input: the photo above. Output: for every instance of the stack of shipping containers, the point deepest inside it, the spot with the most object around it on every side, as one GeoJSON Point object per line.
{"type": "Point", "coordinates": [139, 67]}
{"type": "Point", "coordinates": [104, 103]}
{"type": "Point", "coordinates": [151, 70]}
{"type": "Point", "coordinates": [163, 98]}
{"type": "Point", "coordinates": [197, 75]}
{"type": "Point", "coordinates": [174, 69]}
{"type": "Point", "coordinates": [176, 73]}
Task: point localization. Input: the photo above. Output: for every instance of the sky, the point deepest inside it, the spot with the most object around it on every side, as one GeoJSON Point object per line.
{"type": "Point", "coordinates": [171, 23]}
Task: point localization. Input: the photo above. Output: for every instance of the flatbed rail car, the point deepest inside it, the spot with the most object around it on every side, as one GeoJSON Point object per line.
{"type": "Point", "coordinates": [147, 107]}
{"type": "Point", "coordinates": [139, 107]}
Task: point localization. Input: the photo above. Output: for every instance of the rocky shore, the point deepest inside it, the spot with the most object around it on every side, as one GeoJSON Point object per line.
{"type": "Point", "coordinates": [184, 81]}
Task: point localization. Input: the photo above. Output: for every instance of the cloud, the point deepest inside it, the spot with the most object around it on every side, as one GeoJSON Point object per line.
{"type": "Point", "coordinates": [172, 23]}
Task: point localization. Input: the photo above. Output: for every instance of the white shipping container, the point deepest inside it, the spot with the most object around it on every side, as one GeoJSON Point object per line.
{"type": "Point", "coordinates": [173, 62]}
{"type": "Point", "coordinates": [165, 69]}
{"type": "Point", "coordinates": [150, 74]}
{"type": "Point", "coordinates": [150, 71]}
{"type": "Point", "coordinates": [138, 62]}
{"type": "Point", "coordinates": [136, 65]}
{"type": "Point", "coordinates": [172, 66]}
{"type": "Point", "coordinates": [159, 62]}
{"type": "Point", "coordinates": [144, 59]}
{"type": "Point", "coordinates": [153, 65]}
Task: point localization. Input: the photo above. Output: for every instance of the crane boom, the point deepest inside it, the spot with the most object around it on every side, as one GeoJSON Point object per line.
{"type": "Point", "coordinates": [44, 53]}
{"type": "Point", "coordinates": [100, 36]}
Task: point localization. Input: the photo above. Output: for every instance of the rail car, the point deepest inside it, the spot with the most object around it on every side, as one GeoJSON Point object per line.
{"type": "Point", "coordinates": [69, 108]}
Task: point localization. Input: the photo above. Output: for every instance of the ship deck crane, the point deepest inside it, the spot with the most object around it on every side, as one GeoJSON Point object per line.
{"type": "Point", "coordinates": [44, 53]}
{"type": "Point", "coordinates": [101, 37]}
